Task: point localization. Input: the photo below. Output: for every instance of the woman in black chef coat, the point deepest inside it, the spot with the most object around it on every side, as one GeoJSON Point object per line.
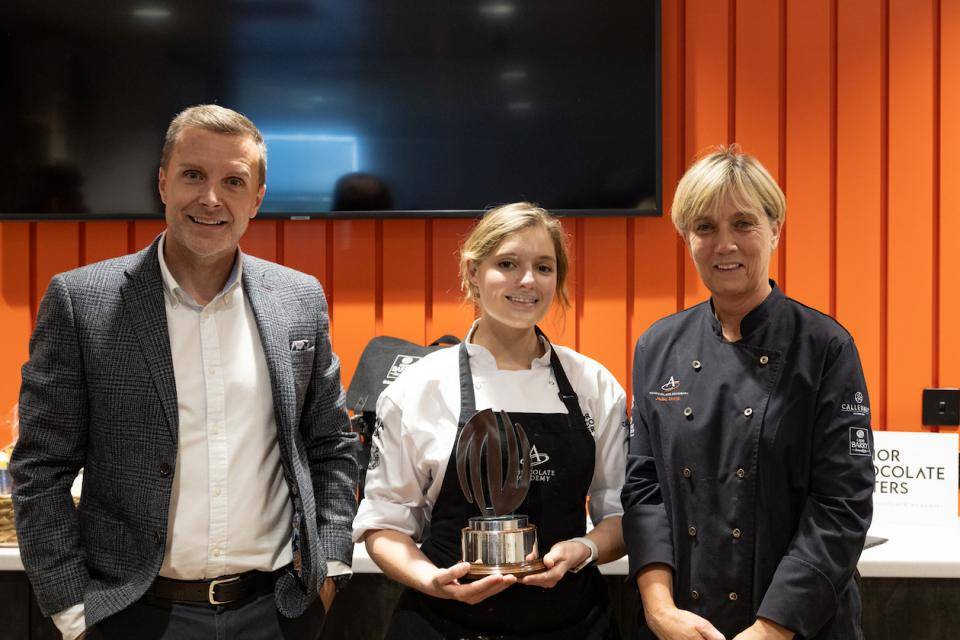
{"type": "Point", "coordinates": [749, 476]}
{"type": "Point", "coordinates": [513, 266]}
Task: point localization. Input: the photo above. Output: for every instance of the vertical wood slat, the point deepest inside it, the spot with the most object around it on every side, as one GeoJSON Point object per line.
{"type": "Point", "coordinates": [757, 114]}
{"type": "Point", "coordinates": [859, 186]}
{"type": "Point", "coordinates": [449, 313]}
{"type": "Point", "coordinates": [353, 313]}
{"type": "Point", "coordinates": [808, 152]}
{"type": "Point", "coordinates": [949, 185]}
{"type": "Point", "coordinates": [404, 280]}
{"type": "Point", "coordinates": [260, 240]}
{"type": "Point", "coordinates": [603, 329]}
{"type": "Point", "coordinates": [707, 98]}
{"type": "Point", "coordinates": [910, 188]}
{"type": "Point", "coordinates": [561, 324]}
{"type": "Point", "coordinates": [57, 250]}
{"type": "Point", "coordinates": [15, 315]}
{"type": "Point", "coordinates": [304, 248]}
{"type": "Point", "coordinates": [105, 239]}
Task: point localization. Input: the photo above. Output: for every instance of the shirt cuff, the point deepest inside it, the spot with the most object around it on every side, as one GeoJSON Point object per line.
{"type": "Point", "coordinates": [382, 514]}
{"type": "Point", "coordinates": [337, 568]}
{"type": "Point", "coordinates": [605, 503]}
{"type": "Point", "coordinates": [70, 622]}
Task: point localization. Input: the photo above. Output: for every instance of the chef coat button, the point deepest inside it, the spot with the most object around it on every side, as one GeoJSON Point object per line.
{"type": "Point", "coordinates": [764, 360]}
{"type": "Point", "coordinates": [741, 473]}
{"type": "Point", "coordinates": [695, 594]}
{"type": "Point", "coordinates": [688, 412]}
{"type": "Point", "coordinates": [696, 365]}
{"type": "Point", "coordinates": [733, 596]}
{"type": "Point", "coordinates": [686, 473]}
{"type": "Point", "coordinates": [748, 412]}
{"type": "Point", "coordinates": [692, 531]}
{"type": "Point", "coordinates": [476, 385]}
{"type": "Point", "coordinates": [164, 470]}
{"type": "Point", "coordinates": [737, 534]}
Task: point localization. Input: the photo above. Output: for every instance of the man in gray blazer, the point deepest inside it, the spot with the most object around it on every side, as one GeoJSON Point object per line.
{"type": "Point", "coordinates": [196, 387]}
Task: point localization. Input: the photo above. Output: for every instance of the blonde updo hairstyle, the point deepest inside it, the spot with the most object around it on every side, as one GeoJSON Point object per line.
{"type": "Point", "coordinates": [726, 173]}
{"type": "Point", "coordinates": [497, 224]}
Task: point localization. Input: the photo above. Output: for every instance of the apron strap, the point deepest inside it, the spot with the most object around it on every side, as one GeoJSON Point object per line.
{"type": "Point", "coordinates": [468, 402]}
{"type": "Point", "coordinates": [564, 389]}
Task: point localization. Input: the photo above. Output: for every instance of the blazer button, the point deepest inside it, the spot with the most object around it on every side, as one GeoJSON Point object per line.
{"type": "Point", "coordinates": [692, 531]}
{"type": "Point", "coordinates": [695, 594]}
{"type": "Point", "coordinates": [748, 412]}
{"type": "Point", "coordinates": [165, 470]}
{"type": "Point", "coordinates": [686, 473]}
{"type": "Point", "coordinates": [696, 365]}
{"type": "Point", "coordinates": [157, 538]}
{"type": "Point", "coordinates": [733, 596]}
{"type": "Point", "coordinates": [737, 534]}
{"type": "Point", "coordinates": [741, 473]}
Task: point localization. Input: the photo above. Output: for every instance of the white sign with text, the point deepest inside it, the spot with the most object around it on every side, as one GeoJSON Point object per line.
{"type": "Point", "coordinates": [916, 477]}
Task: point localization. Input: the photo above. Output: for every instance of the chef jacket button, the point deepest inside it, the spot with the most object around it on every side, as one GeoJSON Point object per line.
{"type": "Point", "coordinates": [686, 473]}
{"type": "Point", "coordinates": [695, 594]}
{"type": "Point", "coordinates": [748, 412]}
{"type": "Point", "coordinates": [696, 365]}
{"type": "Point", "coordinates": [688, 412]}
{"type": "Point", "coordinates": [733, 596]}
{"type": "Point", "coordinates": [741, 473]}
{"type": "Point", "coordinates": [692, 531]}
{"type": "Point", "coordinates": [764, 360]}
{"type": "Point", "coordinates": [737, 533]}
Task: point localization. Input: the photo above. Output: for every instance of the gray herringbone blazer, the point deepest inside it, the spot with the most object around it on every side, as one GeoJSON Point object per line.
{"type": "Point", "coordinates": [98, 392]}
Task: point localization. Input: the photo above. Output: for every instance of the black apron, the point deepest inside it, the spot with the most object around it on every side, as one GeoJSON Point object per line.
{"type": "Point", "coordinates": [577, 607]}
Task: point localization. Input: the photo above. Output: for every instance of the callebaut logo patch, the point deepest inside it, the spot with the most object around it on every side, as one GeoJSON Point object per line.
{"type": "Point", "coordinates": [669, 391]}
{"type": "Point", "coordinates": [856, 407]}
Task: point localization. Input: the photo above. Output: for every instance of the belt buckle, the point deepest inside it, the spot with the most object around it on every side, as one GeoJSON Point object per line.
{"type": "Point", "coordinates": [211, 598]}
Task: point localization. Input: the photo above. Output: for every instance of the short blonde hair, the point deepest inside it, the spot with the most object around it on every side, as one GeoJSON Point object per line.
{"type": "Point", "coordinates": [726, 173]}
{"type": "Point", "coordinates": [500, 222]}
{"type": "Point", "coordinates": [216, 119]}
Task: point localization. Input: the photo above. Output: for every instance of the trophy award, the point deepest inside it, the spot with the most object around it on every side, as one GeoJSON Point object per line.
{"type": "Point", "coordinates": [497, 541]}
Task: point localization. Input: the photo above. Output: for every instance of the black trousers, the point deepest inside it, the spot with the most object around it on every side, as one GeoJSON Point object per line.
{"type": "Point", "coordinates": [255, 618]}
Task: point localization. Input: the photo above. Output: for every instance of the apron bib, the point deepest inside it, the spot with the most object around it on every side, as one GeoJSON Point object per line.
{"type": "Point", "coordinates": [563, 456]}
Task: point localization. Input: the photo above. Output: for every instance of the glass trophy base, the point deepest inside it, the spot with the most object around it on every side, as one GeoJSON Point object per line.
{"type": "Point", "coordinates": [505, 545]}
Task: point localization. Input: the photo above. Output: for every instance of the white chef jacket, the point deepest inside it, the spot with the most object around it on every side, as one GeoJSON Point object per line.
{"type": "Point", "coordinates": [417, 428]}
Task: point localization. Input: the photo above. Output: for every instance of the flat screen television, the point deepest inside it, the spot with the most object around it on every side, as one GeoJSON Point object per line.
{"type": "Point", "coordinates": [385, 108]}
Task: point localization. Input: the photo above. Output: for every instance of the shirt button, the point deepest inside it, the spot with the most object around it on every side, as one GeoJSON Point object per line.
{"type": "Point", "coordinates": [164, 470]}
{"type": "Point", "coordinates": [733, 596]}
{"type": "Point", "coordinates": [764, 360]}
{"type": "Point", "coordinates": [737, 534]}
{"type": "Point", "coordinates": [216, 554]}
{"type": "Point", "coordinates": [741, 473]}
{"type": "Point", "coordinates": [692, 531]}
{"type": "Point", "coordinates": [211, 371]}
{"type": "Point", "coordinates": [748, 412]}
{"type": "Point", "coordinates": [686, 473]}
{"type": "Point", "coordinates": [688, 412]}
{"type": "Point", "coordinates": [695, 594]}
{"type": "Point", "coordinates": [696, 365]}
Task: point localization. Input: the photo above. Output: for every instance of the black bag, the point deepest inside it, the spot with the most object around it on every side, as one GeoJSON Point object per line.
{"type": "Point", "coordinates": [382, 361]}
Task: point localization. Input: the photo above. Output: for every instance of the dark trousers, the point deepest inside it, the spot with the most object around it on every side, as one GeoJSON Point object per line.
{"type": "Point", "coordinates": [256, 618]}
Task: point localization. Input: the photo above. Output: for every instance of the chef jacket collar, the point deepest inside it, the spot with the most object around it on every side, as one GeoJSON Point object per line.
{"type": "Point", "coordinates": [755, 318]}
{"type": "Point", "coordinates": [481, 357]}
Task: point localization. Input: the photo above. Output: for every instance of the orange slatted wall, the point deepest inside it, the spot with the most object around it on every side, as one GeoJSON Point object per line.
{"type": "Point", "coordinates": [853, 106]}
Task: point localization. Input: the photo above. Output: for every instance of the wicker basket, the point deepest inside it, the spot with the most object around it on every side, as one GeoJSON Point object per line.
{"type": "Point", "coordinates": [8, 534]}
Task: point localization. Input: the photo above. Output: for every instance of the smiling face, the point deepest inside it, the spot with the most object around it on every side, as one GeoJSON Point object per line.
{"type": "Point", "coordinates": [210, 191]}
{"type": "Point", "coordinates": [731, 247]}
{"type": "Point", "coordinates": [517, 281]}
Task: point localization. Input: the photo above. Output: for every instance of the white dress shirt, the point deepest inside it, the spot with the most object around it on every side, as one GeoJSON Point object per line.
{"type": "Point", "coordinates": [418, 416]}
{"type": "Point", "coordinates": [230, 508]}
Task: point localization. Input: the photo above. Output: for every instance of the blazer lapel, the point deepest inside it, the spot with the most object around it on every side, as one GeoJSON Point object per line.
{"type": "Point", "coordinates": [273, 325]}
{"type": "Point", "coordinates": [143, 297]}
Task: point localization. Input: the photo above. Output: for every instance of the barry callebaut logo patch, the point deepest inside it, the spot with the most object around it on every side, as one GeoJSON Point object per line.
{"type": "Point", "coordinates": [669, 391]}
{"type": "Point", "coordinates": [859, 441]}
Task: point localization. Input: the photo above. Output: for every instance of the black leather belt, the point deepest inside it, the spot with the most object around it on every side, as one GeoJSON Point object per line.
{"type": "Point", "coordinates": [220, 591]}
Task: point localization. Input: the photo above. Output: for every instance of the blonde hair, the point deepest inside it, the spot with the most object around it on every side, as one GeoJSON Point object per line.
{"type": "Point", "coordinates": [216, 119]}
{"type": "Point", "coordinates": [726, 173]}
{"type": "Point", "coordinates": [500, 222]}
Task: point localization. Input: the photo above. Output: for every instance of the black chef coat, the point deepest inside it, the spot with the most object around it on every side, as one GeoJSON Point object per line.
{"type": "Point", "coordinates": [750, 471]}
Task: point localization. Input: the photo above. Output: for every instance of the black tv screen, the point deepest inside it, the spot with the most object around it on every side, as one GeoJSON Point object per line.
{"type": "Point", "coordinates": [399, 107]}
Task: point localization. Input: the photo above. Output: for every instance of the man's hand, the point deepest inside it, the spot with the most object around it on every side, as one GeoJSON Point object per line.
{"type": "Point", "coordinates": [445, 583]}
{"type": "Point", "coordinates": [327, 592]}
{"type": "Point", "coordinates": [678, 624]}
{"type": "Point", "coordinates": [764, 629]}
{"type": "Point", "coordinates": [562, 557]}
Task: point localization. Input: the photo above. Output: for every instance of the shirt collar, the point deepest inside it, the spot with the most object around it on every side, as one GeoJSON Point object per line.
{"type": "Point", "coordinates": [482, 357]}
{"type": "Point", "coordinates": [177, 295]}
{"type": "Point", "coordinates": [755, 318]}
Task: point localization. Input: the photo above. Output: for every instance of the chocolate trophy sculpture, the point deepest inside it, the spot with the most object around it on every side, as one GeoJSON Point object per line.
{"type": "Point", "coordinates": [498, 541]}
